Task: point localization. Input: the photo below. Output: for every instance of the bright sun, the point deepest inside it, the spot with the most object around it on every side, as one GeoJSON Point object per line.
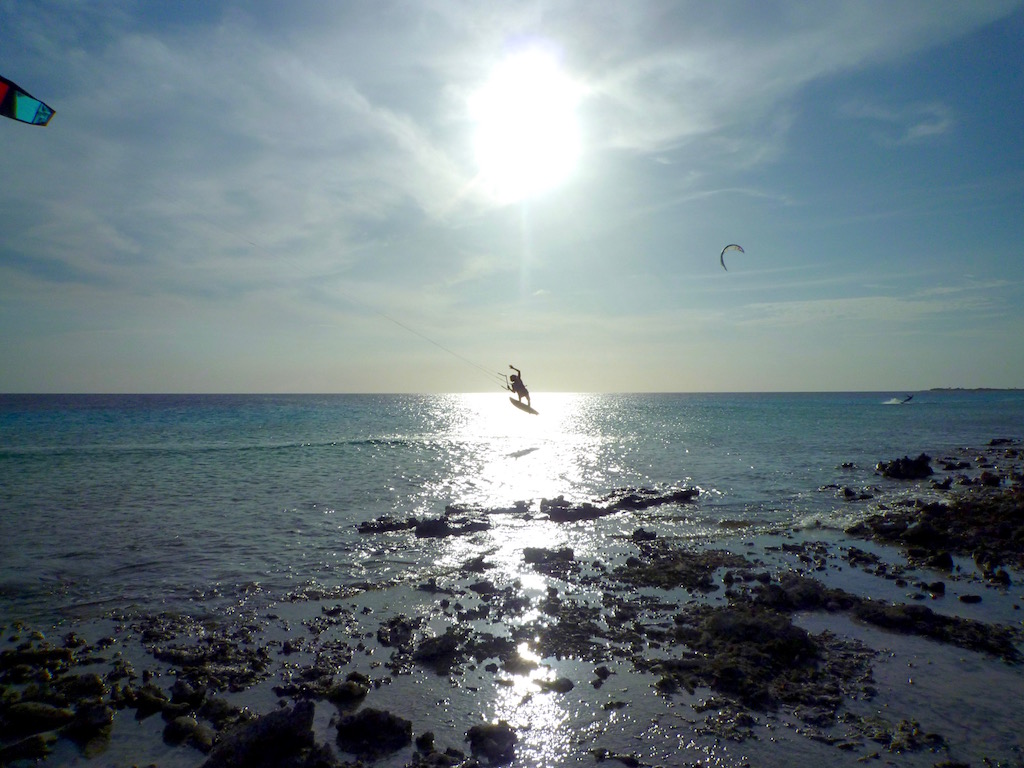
{"type": "Point", "coordinates": [527, 139]}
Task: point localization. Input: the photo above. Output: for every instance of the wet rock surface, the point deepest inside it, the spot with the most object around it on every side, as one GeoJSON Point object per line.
{"type": "Point", "coordinates": [278, 738]}
{"type": "Point", "coordinates": [373, 732]}
{"type": "Point", "coordinates": [623, 500]}
{"type": "Point", "coordinates": [659, 564]}
{"type": "Point", "coordinates": [985, 523]}
{"type": "Point", "coordinates": [906, 468]}
{"type": "Point", "coordinates": [495, 743]}
{"type": "Point", "coordinates": [717, 633]}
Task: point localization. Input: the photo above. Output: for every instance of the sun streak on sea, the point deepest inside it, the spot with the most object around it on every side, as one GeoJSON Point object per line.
{"type": "Point", "coordinates": [500, 455]}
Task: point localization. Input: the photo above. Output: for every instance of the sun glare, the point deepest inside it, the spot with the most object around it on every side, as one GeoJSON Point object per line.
{"type": "Point", "coordinates": [527, 138]}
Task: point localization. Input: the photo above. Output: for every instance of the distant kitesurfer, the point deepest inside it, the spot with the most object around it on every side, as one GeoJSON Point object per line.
{"type": "Point", "coordinates": [517, 385]}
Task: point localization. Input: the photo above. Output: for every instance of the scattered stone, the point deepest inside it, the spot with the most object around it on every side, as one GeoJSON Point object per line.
{"type": "Point", "coordinates": [397, 632]}
{"type": "Point", "coordinates": [372, 733]}
{"type": "Point", "coordinates": [623, 500]}
{"type": "Point", "coordinates": [495, 742]}
{"type": "Point", "coordinates": [29, 717]}
{"type": "Point", "coordinates": [558, 685]}
{"type": "Point", "coordinates": [350, 691]}
{"type": "Point", "coordinates": [755, 654]}
{"type": "Point", "coordinates": [601, 754]}
{"type": "Point", "coordinates": [665, 566]}
{"type": "Point", "coordinates": [983, 521]}
{"type": "Point", "coordinates": [906, 468]}
{"type": "Point", "coordinates": [35, 747]}
{"type": "Point", "coordinates": [425, 742]}
{"type": "Point", "coordinates": [444, 651]}
{"type": "Point", "coordinates": [442, 527]}
{"type": "Point", "coordinates": [283, 737]}
{"type": "Point", "coordinates": [742, 645]}
{"type": "Point", "coordinates": [920, 620]}
{"type": "Point", "coordinates": [387, 524]}
{"type": "Point", "coordinates": [187, 730]}
{"type": "Point", "coordinates": [553, 562]}
{"type": "Point", "coordinates": [641, 534]}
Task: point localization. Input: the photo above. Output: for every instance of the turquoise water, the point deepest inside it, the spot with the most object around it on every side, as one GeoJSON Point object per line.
{"type": "Point", "coordinates": [195, 502]}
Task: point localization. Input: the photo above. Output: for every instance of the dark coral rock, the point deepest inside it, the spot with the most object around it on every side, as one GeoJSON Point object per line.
{"type": "Point", "coordinates": [29, 662]}
{"type": "Point", "coordinates": [493, 742]}
{"type": "Point", "coordinates": [990, 479]}
{"type": "Point", "coordinates": [183, 692]}
{"type": "Point", "coordinates": [941, 561]}
{"type": "Point", "coordinates": [350, 691]}
{"type": "Point", "coordinates": [986, 522]}
{"type": "Point", "coordinates": [387, 524]}
{"type": "Point", "coordinates": [283, 737]}
{"type": "Point", "coordinates": [82, 686]}
{"type": "Point", "coordinates": [666, 567]}
{"type": "Point", "coordinates": [561, 511]}
{"type": "Point", "coordinates": [147, 700]}
{"type": "Point", "coordinates": [397, 632]}
{"type": "Point", "coordinates": [223, 714]}
{"type": "Point", "coordinates": [558, 685]}
{"type": "Point", "coordinates": [799, 593]}
{"type": "Point", "coordinates": [92, 723]}
{"type": "Point", "coordinates": [35, 747]}
{"type": "Point", "coordinates": [756, 656]}
{"type": "Point", "coordinates": [443, 652]}
{"type": "Point", "coordinates": [553, 562]}
{"type": "Point", "coordinates": [372, 733]}
{"type": "Point", "coordinates": [921, 620]}
{"type": "Point", "coordinates": [906, 468]}
{"type": "Point", "coordinates": [641, 534]}
{"type": "Point", "coordinates": [534, 555]}
{"type": "Point", "coordinates": [187, 730]}
{"type": "Point", "coordinates": [645, 498]}
{"type": "Point", "coordinates": [28, 717]}
{"type": "Point", "coordinates": [441, 527]}
{"type": "Point", "coordinates": [623, 500]}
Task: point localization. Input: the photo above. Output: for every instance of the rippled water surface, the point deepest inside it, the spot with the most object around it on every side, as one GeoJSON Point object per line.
{"type": "Point", "coordinates": [193, 501]}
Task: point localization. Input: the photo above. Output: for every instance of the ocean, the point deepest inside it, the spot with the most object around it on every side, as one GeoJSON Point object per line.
{"type": "Point", "coordinates": [167, 501]}
{"type": "Point", "coordinates": [230, 505]}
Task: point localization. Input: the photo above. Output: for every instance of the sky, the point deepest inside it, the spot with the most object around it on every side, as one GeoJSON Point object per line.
{"type": "Point", "coordinates": [410, 196]}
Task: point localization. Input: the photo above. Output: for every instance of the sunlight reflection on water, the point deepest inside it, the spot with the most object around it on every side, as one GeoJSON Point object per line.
{"type": "Point", "coordinates": [499, 455]}
{"type": "Point", "coordinates": [539, 717]}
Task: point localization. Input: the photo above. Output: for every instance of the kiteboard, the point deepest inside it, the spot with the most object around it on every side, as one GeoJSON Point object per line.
{"type": "Point", "coordinates": [522, 406]}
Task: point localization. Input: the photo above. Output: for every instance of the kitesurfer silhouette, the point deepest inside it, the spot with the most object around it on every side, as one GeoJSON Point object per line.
{"type": "Point", "coordinates": [517, 385]}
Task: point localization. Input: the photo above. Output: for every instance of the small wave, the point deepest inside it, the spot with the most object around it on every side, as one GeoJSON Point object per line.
{"type": "Point", "coordinates": [185, 448]}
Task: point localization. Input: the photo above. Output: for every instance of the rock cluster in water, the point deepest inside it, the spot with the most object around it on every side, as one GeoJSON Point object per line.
{"type": "Point", "coordinates": [742, 653]}
{"type": "Point", "coordinates": [459, 520]}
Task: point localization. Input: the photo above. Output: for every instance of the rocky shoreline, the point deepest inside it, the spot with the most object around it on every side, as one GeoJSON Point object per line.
{"type": "Point", "coordinates": [718, 633]}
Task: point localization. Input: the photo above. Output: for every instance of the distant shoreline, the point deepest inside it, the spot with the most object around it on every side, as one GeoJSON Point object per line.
{"type": "Point", "coordinates": [975, 389]}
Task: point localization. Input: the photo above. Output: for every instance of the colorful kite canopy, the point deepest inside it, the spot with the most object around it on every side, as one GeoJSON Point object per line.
{"type": "Point", "coordinates": [17, 104]}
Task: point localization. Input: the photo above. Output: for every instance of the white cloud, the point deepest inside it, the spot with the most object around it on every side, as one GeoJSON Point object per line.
{"type": "Point", "coordinates": [664, 82]}
{"type": "Point", "coordinates": [853, 313]}
{"type": "Point", "coordinates": [294, 155]}
{"type": "Point", "coordinates": [905, 124]}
